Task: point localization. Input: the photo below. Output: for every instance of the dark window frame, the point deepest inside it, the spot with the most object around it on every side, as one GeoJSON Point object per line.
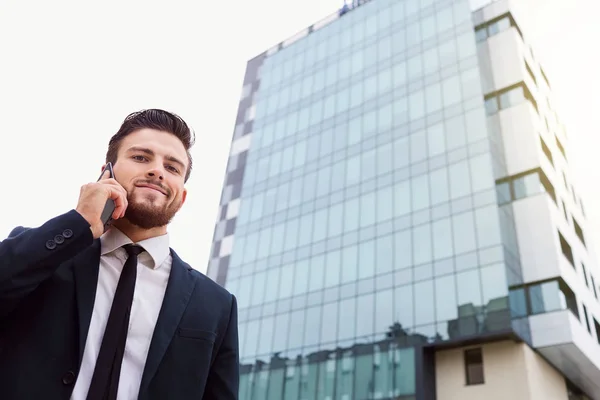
{"type": "Point", "coordinates": [560, 146]}
{"type": "Point", "coordinates": [530, 71]}
{"type": "Point", "coordinates": [578, 231]}
{"type": "Point", "coordinates": [563, 287]}
{"type": "Point", "coordinates": [548, 186]}
{"type": "Point", "coordinates": [546, 150]}
{"type": "Point", "coordinates": [474, 371]}
{"type": "Point", "coordinates": [487, 24]}
{"type": "Point", "coordinates": [585, 275]}
{"type": "Point", "coordinates": [587, 318]}
{"type": "Point", "coordinates": [566, 249]}
{"type": "Point", "coordinates": [495, 96]}
{"type": "Point", "coordinates": [545, 77]}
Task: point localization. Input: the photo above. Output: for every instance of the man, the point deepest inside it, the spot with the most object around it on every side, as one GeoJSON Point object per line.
{"type": "Point", "coordinates": [88, 314]}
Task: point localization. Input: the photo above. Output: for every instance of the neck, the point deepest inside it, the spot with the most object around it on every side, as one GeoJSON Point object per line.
{"type": "Point", "coordinates": [137, 234]}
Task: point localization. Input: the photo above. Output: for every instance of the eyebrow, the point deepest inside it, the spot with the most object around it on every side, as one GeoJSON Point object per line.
{"type": "Point", "coordinates": [151, 153]}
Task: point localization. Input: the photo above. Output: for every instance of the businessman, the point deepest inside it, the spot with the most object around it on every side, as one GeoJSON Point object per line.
{"type": "Point", "coordinates": [89, 314]}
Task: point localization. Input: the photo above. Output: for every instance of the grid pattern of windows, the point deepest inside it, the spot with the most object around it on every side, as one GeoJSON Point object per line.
{"type": "Point", "coordinates": [542, 297]}
{"type": "Point", "coordinates": [525, 184]}
{"type": "Point", "coordinates": [368, 205]}
{"type": "Point", "coordinates": [396, 187]}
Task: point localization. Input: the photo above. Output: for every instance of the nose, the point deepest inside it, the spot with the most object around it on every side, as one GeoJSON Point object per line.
{"type": "Point", "coordinates": [155, 173]}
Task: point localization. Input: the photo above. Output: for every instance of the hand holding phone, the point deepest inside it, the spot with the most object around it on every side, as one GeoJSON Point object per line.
{"type": "Point", "coordinates": [109, 207]}
{"type": "Point", "coordinates": [102, 201]}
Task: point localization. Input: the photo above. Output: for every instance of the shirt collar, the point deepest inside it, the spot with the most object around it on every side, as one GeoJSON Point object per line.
{"type": "Point", "coordinates": [157, 247]}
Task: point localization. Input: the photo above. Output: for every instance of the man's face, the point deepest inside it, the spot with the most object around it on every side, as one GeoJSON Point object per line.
{"type": "Point", "coordinates": [151, 166]}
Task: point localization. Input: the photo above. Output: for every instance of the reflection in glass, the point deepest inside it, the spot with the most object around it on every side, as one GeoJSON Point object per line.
{"type": "Point", "coordinates": [460, 184]}
{"type": "Point", "coordinates": [518, 303]}
{"type": "Point", "coordinates": [527, 185]}
{"type": "Point", "coordinates": [422, 244]}
{"type": "Point", "coordinates": [424, 303]}
{"type": "Point", "coordinates": [544, 297]}
{"type": "Point", "coordinates": [347, 319]}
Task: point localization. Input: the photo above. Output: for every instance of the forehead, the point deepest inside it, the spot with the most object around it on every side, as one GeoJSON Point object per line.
{"type": "Point", "coordinates": [160, 142]}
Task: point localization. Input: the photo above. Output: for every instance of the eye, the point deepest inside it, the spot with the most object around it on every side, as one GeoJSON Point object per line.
{"type": "Point", "coordinates": [172, 168]}
{"type": "Point", "coordinates": [139, 158]}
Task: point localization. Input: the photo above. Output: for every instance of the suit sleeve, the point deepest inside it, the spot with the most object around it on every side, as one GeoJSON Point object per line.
{"type": "Point", "coordinates": [29, 256]}
{"type": "Point", "coordinates": [224, 376]}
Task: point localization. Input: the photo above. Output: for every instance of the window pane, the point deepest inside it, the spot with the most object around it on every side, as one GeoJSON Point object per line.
{"type": "Point", "coordinates": [403, 306]}
{"type": "Point", "coordinates": [436, 140]}
{"type": "Point", "coordinates": [384, 311]}
{"type": "Point", "coordinates": [512, 97]}
{"type": "Point", "coordinates": [346, 319]}
{"type": "Point", "coordinates": [527, 185]}
{"type": "Point", "coordinates": [366, 260]}
{"type": "Point", "coordinates": [488, 226]}
{"type": "Point", "coordinates": [422, 248]}
{"type": "Point", "coordinates": [445, 298]}
{"type": "Point", "coordinates": [424, 303]}
{"type": "Point", "coordinates": [482, 176]}
{"type": "Point", "coordinates": [442, 239]}
{"type": "Point", "coordinates": [439, 186]}
{"type": "Point", "coordinates": [459, 180]}
{"type": "Point", "coordinates": [403, 249]}
{"type": "Point", "coordinates": [474, 366]}
{"type": "Point", "coordinates": [544, 297]}
{"type": "Point", "coordinates": [420, 192]}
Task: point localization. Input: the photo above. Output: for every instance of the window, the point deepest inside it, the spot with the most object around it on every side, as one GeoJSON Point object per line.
{"type": "Point", "coordinates": [474, 366]}
{"type": "Point", "coordinates": [531, 75]}
{"type": "Point", "coordinates": [566, 249]}
{"type": "Point", "coordinates": [523, 185]}
{"type": "Point", "coordinates": [567, 298]}
{"type": "Point", "coordinates": [597, 327]}
{"type": "Point", "coordinates": [495, 26]}
{"type": "Point", "coordinates": [594, 286]}
{"type": "Point", "coordinates": [481, 34]}
{"type": "Point", "coordinates": [564, 207]}
{"type": "Point", "coordinates": [587, 319]}
{"type": "Point", "coordinates": [508, 97]}
{"type": "Point", "coordinates": [546, 151]}
{"type": "Point", "coordinates": [560, 147]}
{"type": "Point", "coordinates": [545, 77]}
{"type": "Point", "coordinates": [578, 230]}
{"type": "Point", "coordinates": [585, 277]}
{"type": "Point", "coordinates": [542, 297]}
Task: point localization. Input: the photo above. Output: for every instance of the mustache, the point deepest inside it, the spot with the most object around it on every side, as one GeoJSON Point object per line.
{"type": "Point", "coordinates": [154, 183]}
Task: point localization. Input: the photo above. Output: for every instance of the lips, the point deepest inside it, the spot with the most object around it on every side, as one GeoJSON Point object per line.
{"type": "Point", "coordinates": [154, 187]}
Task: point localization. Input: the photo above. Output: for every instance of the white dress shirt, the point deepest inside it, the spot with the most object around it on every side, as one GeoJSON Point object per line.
{"type": "Point", "coordinates": [154, 267]}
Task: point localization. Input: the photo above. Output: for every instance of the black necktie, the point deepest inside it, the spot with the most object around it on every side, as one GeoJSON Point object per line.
{"type": "Point", "coordinates": [105, 381]}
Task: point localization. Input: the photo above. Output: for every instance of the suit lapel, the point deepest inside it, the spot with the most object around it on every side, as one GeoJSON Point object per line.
{"type": "Point", "coordinates": [178, 293]}
{"type": "Point", "coordinates": [85, 269]}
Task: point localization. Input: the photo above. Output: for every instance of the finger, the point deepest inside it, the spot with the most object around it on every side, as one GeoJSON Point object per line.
{"type": "Point", "coordinates": [105, 175]}
{"type": "Point", "coordinates": [116, 190]}
{"type": "Point", "coordinates": [126, 204]}
{"type": "Point", "coordinates": [120, 201]}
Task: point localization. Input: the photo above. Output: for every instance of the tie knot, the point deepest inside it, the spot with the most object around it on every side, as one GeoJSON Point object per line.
{"type": "Point", "coordinates": [133, 250]}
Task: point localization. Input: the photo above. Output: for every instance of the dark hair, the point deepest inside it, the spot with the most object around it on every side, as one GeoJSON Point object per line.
{"type": "Point", "coordinates": [153, 119]}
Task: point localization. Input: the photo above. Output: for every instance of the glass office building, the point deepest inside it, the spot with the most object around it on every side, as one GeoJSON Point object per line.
{"type": "Point", "coordinates": [370, 224]}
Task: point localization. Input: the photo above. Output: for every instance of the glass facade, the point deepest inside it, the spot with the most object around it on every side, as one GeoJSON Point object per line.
{"type": "Point", "coordinates": [368, 223]}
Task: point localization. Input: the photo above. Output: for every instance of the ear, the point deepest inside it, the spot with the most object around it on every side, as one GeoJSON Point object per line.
{"type": "Point", "coordinates": [183, 197]}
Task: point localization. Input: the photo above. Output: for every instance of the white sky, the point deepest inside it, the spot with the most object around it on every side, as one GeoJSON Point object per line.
{"type": "Point", "coordinates": [70, 72]}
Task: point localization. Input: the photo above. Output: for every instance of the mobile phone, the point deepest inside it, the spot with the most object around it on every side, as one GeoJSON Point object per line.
{"type": "Point", "coordinates": [109, 207]}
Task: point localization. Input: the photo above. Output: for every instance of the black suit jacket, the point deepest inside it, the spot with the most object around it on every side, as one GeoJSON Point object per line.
{"type": "Point", "coordinates": [48, 278]}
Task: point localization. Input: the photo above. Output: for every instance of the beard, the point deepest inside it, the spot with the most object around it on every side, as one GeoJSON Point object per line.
{"type": "Point", "coordinates": [146, 215]}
